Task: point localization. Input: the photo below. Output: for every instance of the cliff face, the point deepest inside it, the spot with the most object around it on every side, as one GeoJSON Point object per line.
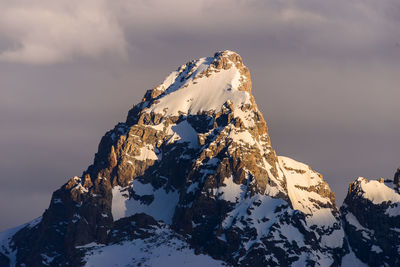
{"type": "Point", "coordinates": [191, 171]}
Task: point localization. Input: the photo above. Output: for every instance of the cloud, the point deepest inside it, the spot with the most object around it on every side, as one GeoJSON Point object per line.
{"type": "Point", "coordinates": [320, 28]}
{"type": "Point", "coordinates": [44, 32]}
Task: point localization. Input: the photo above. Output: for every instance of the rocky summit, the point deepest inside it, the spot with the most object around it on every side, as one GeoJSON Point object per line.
{"type": "Point", "coordinates": [191, 179]}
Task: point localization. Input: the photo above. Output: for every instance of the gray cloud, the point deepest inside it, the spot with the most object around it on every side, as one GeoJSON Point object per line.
{"type": "Point", "coordinates": [325, 75]}
{"type": "Point", "coordinates": [47, 31]}
{"type": "Point", "coordinates": [50, 32]}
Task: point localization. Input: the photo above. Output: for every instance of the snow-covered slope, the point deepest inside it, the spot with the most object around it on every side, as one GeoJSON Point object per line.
{"type": "Point", "coordinates": [154, 244]}
{"type": "Point", "coordinates": [200, 86]}
{"type": "Point", "coordinates": [311, 195]}
{"type": "Point", "coordinates": [8, 248]}
{"type": "Point", "coordinates": [190, 178]}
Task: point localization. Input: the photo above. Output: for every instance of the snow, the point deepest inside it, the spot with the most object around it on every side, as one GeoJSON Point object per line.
{"type": "Point", "coordinates": [265, 208]}
{"type": "Point", "coordinates": [118, 207]}
{"type": "Point", "coordinates": [142, 189]}
{"type": "Point", "coordinates": [299, 173]}
{"type": "Point", "coordinates": [378, 192]}
{"type": "Point", "coordinates": [242, 137]}
{"type": "Point", "coordinates": [147, 152]}
{"type": "Point", "coordinates": [351, 219]}
{"type": "Point", "coordinates": [46, 259]}
{"type": "Point", "coordinates": [192, 187]}
{"type": "Point", "coordinates": [230, 191]}
{"type": "Point", "coordinates": [351, 260]}
{"type": "Point", "coordinates": [323, 260]}
{"type": "Point", "coordinates": [5, 238]}
{"type": "Point", "coordinates": [333, 240]}
{"type": "Point", "coordinates": [393, 210]}
{"type": "Point", "coordinates": [79, 185]}
{"type": "Point", "coordinates": [201, 94]}
{"type": "Point", "coordinates": [395, 229]}
{"type": "Point", "coordinates": [34, 222]}
{"type": "Point", "coordinates": [184, 132]}
{"type": "Point", "coordinates": [57, 201]}
{"type": "Point", "coordinates": [299, 176]}
{"type": "Point", "coordinates": [162, 249]}
{"type": "Point", "coordinates": [376, 249]}
{"type": "Point", "coordinates": [158, 127]}
{"type": "Point", "coordinates": [90, 245]}
{"type": "Point", "coordinates": [161, 208]}
{"type": "Point", "coordinates": [302, 261]}
{"type": "Point", "coordinates": [322, 217]}
{"type": "Point", "coordinates": [169, 80]}
{"type": "Point", "coordinates": [245, 116]}
{"type": "Point", "coordinates": [213, 162]}
{"type": "Point", "coordinates": [292, 234]}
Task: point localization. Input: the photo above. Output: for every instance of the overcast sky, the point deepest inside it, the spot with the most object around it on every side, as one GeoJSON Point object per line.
{"type": "Point", "coordinates": [326, 76]}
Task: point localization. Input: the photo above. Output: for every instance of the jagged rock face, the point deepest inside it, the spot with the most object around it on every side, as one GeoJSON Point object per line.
{"type": "Point", "coordinates": [195, 156]}
{"type": "Point", "coordinates": [371, 215]}
{"type": "Point", "coordinates": [396, 180]}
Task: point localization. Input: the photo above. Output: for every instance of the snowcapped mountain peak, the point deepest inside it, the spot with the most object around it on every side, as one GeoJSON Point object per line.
{"type": "Point", "coordinates": [196, 154]}
{"type": "Point", "coordinates": [375, 191]}
{"type": "Point", "coordinates": [202, 85]}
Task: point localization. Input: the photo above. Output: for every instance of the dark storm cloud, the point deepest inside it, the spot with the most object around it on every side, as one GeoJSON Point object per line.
{"type": "Point", "coordinates": [325, 74]}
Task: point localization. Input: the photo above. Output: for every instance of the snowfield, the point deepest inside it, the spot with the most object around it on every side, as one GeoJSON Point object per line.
{"type": "Point", "coordinates": [164, 248]}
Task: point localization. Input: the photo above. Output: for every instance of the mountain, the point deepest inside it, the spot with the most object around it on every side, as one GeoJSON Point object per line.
{"type": "Point", "coordinates": [191, 179]}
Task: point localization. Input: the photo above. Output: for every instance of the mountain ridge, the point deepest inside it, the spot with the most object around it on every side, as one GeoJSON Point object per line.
{"type": "Point", "coordinates": [194, 163]}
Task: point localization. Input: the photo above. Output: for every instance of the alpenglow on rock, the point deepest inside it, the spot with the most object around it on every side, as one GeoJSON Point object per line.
{"type": "Point", "coordinates": [190, 179]}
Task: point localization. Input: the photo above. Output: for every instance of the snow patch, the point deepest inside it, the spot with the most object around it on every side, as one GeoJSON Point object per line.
{"type": "Point", "coordinates": [322, 217]}
{"type": "Point", "coordinates": [245, 116]}
{"type": "Point", "coordinates": [242, 137]}
{"type": "Point", "coordinates": [162, 207]}
{"type": "Point", "coordinates": [376, 249]}
{"type": "Point", "coordinates": [393, 211]}
{"type": "Point", "coordinates": [230, 191]}
{"type": "Point", "coordinates": [147, 152]}
{"type": "Point", "coordinates": [352, 220]}
{"type": "Point", "coordinates": [377, 192]}
{"type": "Point", "coordinates": [334, 239]}
{"type": "Point", "coordinates": [184, 132]}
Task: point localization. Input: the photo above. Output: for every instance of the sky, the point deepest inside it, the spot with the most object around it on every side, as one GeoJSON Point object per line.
{"type": "Point", "coordinates": [325, 74]}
